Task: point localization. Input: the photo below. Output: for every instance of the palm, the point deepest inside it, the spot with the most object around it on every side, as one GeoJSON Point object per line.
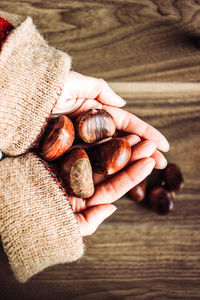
{"type": "Point", "coordinates": [82, 93]}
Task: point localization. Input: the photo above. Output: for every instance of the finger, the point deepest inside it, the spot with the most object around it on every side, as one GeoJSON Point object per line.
{"type": "Point", "coordinates": [78, 87]}
{"type": "Point", "coordinates": [142, 150]}
{"type": "Point", "coordinates": [117, 186]}
{"type": "Point", "coordinates": [66, 106]}
{"type": "Point", "coordinates": [132, 139]}
{"type": "Point", "coordinates": [128, 122]}
{"type": "Point", "coordinates": [107, 95]}
{"type": "Point", "coordinates": [90, 219]}
{"type": "Point", "coordinates": [94, 88]}
{"type": "Point", "coordinates": [160, 160]}
{"type": "Point", "coordinates": [85, 106]}
{"type": "Point", "coordinates": [78, 204]}
{"type": "Point", "coordinates": [97, 88]}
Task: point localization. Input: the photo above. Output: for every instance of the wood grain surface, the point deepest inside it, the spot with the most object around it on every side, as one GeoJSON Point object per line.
{"type": "Point", "coordinates": [135, 254]}
{"type": "Point", "coordinates": [121, 40]}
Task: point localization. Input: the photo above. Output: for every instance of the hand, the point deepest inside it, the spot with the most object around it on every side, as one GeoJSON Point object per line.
{"type": "Point", "coordinates": [90, 213]}
{"type": "Point", "coordinates": [82, 93]}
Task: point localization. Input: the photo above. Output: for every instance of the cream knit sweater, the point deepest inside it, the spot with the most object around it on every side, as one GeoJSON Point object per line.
{"type": "Point", "coordinates": [37, 225]}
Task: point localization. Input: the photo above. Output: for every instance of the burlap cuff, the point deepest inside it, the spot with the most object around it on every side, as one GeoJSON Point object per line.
{"type": "Point", "coordinates": [32, 78]}
{"type": "Point", "coordinates": [37, 225]}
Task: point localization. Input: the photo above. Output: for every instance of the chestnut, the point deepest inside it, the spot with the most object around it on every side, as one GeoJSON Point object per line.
{"type": "Point", "coordinates": [173, 178]}
{"type": "Point", "coordinates": [58, 138]}
{"type": "Point", "coordinates": [138, 192]}
{"type": "Point", "coordinates": [161, 200]}
{"type": "Point", "coordinates": [95, 125]}
{"type": "Point", "coordinates": [76, 173]}
{"type": "Point", "coordinates": [110, 157]}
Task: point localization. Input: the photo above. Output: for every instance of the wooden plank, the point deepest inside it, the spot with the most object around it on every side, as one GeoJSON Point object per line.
{"type": "Point", "coordinates": [123, 262]}
{"type": "Point", "coordinates": [143, 90]}
{"type": "Point", "coordinates": [121, 40]}
{"type": "Point", "coordinates": [136, 254]}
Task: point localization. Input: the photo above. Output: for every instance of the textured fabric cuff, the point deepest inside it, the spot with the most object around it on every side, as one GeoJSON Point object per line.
{"type": "Point", "coordinates": [32, 78]}
{"type": "Point", "coordinates": [37, 225]}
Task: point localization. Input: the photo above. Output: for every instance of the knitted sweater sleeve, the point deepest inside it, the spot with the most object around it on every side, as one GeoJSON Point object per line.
{"type": "Point", "coordinates": [32, 78]}
{"type": "Point", "coordinates": [37, 224]}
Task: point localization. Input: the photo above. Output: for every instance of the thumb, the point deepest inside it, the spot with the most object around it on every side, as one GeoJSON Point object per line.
{"type": "Point", "coordinates": [90, 219]}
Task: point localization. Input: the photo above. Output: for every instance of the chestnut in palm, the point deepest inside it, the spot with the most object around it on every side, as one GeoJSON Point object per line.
{"type": "Point", "coordinates": [58, 138]}
{"type": "Point", "coordinates": [138, 192]}
{"type": "Point", "coordinates": [161, 200]}
{"type": "Point", "coordinates": [173, 178]}
{"type": "Point", "coordinates": [110, 157]}
{"type": "Point", "coordinates": [76, 173]}
{"type": "Point", "coordinates": [95, 125]}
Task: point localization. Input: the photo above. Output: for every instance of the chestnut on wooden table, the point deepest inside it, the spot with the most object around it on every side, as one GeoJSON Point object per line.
{"type": "Point", "coordinates": [173, 178]}
{"type": "Point", "coordinates": [138, 192]}
{"type": "Point", "coordinates": [161, 200]}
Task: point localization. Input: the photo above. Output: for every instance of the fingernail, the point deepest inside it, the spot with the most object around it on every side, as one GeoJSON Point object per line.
{"type": "Point", "coordinates": [166, 147]}
{"type": "Point", "coordinates": [121, 101]}
{"type": "Point", "coordinates": [112, 210]}
{"type": "Point", "coordinates": [151, 161]}
{"type": "Point", "coordinates": [151, 164]}
{"type": "Point", "coordinates": [164, 163]}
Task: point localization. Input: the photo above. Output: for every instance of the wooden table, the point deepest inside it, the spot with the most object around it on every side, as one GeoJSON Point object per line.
{"type": "Point", "coordinates": [149, 52]}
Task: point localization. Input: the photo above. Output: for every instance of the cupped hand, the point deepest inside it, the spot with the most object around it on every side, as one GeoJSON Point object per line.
{"type": "Point", "coordinates": [81, 93]}
{"type": "Point", "coordinates": [90, 213]}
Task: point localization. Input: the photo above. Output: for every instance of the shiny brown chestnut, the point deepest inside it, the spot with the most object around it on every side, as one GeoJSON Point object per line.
{"type": "Point", "coordinates": [110, 157]}
{"type": "Point", "coordinates": [95, 125]}
{"type": "Point", "coordinates": [161, 200]}
{"type": "Point", "coordinates": [76, 173]}
{"type": "Point", "coordinates": [138, 192]}
{"type": "Point", "coordinates": [58, 138]}
{"type": "Point", "coordinates": [173, 178]}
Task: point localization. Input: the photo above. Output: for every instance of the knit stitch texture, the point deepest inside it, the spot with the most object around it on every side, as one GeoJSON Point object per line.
{"type": "Point", "coordinates": [37, 225]}
{"type": "Point", "coordinates": [32, 78]}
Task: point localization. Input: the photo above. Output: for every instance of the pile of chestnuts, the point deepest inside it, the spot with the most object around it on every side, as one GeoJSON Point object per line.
{"type": "Point", "coordinates": [77, 163]}
{"type": "Point", "coordinates": [160, 194]}
{"type": "Point", "coordinates": [102, 153]}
